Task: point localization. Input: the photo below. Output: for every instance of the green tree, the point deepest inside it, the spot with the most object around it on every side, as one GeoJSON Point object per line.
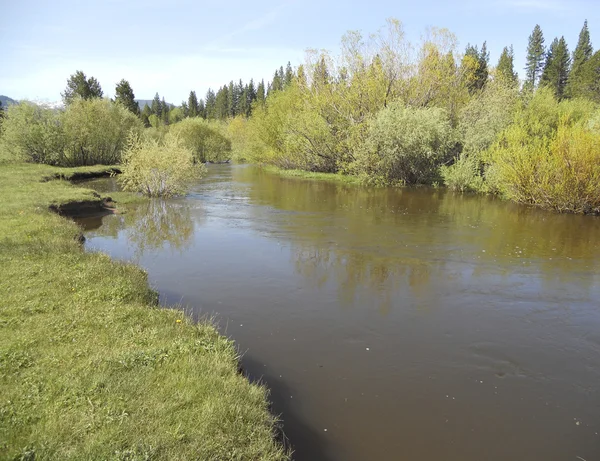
{"type": "Point", "coordinates": [79, 86]}
{"type": "Point", "coordinates": [156, 107]}
{"type": "Point", "coordinates": [260, 92]}
{"type": "Point", "coordinates": [164, 116]}
{"type": "Point", "coordinates": [535, 57]}
{"type": "Point", "coordinates": [289, 74]}
{"type": "Point", "coordinates": [124, 95]}
{"type": "Point", "coordinates": [201, 109]}
{"type": "Point", "coordinates": [578, 82]}
{"type": "Point", "coordinates": [506, 69]}
{"type": "Point", "coordinates": [556, 68]}
{"type": "Point", "coordinates": [210, 104]}
{"type": "Point", "coordinates": [193, 109]}
{"type": "Point", "coordinates": [474, 67]}
{"type": "Point", "coordinates": [145, 115]}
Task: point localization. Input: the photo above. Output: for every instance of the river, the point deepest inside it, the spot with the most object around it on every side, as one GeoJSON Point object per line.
{"type": "Point", "coordinates": [389, 324]}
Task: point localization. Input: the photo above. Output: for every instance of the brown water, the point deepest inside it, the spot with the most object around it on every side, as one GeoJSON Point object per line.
{"type": "Point", "coordinates": [389, 324]}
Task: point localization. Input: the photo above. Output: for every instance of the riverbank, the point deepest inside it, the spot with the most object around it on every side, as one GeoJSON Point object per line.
{"type": "Point", "coordinates": [301, 174]}
{"type": "Point", "coordinates": [90, 368]}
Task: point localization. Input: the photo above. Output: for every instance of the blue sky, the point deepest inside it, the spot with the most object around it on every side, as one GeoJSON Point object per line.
{"type": "Point", "coordinates": [174, 46]}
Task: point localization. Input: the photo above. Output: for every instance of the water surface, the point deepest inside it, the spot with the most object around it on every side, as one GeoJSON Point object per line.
{"type": "Point", "coordinates": [389, 324]}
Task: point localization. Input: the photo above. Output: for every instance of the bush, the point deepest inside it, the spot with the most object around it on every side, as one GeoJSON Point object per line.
{"type": "Point", "coordinates": [96, 132]}
{"type": "Point", "coordinates": [206, 143]}
{"type": "Point", "coordinates": [406, 145]}
{"type": "Point", "coordinates": [88, 132]}
{"type": "Point", "coordinates": [561, 172]}
{"type": "Point", "coordinates": [464, 175]}
{"type": "Point", "coordinates": [158, 169]}
{"type": "Point", "coordinates": [32, 133]}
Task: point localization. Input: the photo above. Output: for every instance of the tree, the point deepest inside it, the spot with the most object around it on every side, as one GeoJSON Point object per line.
{"type": "Point", "coordinates": [260, 92]}
{"type": "Point", "coordinates": [289, 74]}
{"type": "Point", "coordinates": [193, 109]}
{"type": "Point", "coordinates": [556, 69]}
{"type": "Point", "coordinates": [210, 104]}
{"type": "Point", "coordinates": [79, 86]}
{"type": "Point", "coordinates": [475, 67]}
{"type": "Point", "coordinates": [506, 69]}
{"type": "Point", "coordinates": [164, 116]}
{"type": "Point", "coordinates": [583, 52]}
{"type": "Point", "coordinates": [535, 57]}
{"type": "Point", "coordinates": [145, 115]}
{"type": "Point", "coordinates": [124, 95]}
{"type": "Point", "coordinates": [157, 108]}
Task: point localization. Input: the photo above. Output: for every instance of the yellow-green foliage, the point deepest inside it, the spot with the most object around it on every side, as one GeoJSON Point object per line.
{"type": "Point", "coordinates": [550, 155]}
{"type": "Point", "coordinates": [90, 367]}
{"type": "Point", "coordinates": [159, 169]}
{"type": "Point", "coordinates": [32, 133]}
{"type": "Point", "coordinates": [96, 131]}
{"type": "Point", "coordinates": [406, 145]}
{"type": "Point", "coordinates": [87, 132]}
{"type": "Point", "coordinates": [203, 139]}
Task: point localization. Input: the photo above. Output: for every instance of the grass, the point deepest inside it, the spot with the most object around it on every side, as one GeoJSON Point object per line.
{"type": "Point", "coordinates": [301, 174]}
{"type": "Point", "coordinates": [90, 367]}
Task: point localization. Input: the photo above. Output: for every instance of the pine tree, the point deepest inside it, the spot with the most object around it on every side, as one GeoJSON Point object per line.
{"type": "Point", "coordinates": [289, 74]}
{"type": "Point", "coordinates": [79, 86]}
{"type": "Point", "coordinates": [231, 100]}
{"type": "Point", "coordinates": [145, 115]}
{"type": "Point", "coordinates": [260, 92]}
{"type": "Point", "coordinates": [124, 95]}
{"type": "Point", "coordinates": [506, 68]}
{"type": "Point", "coordinates": [210, 104]}
{"type": "Point", "coordinates": [193, 109]}
{"type": "Point", "coordinates": [556, 68]}
{"type": "Point", "coordinates": [185, 109]}
{"type": "Point", "coordinates": [157, 106]}
{"type": "Point", "coordinates": [201, 109]}
{"type": "Point", "coordinates": [583, 52]}
{"type": "Point", "coordinates": [222, 103]}
{"type": "Point", "coordinates": [483, 64]}
{"type": "Point", "coordinates": [164, 116]}
{"type": "Point", "coordinates": [535, 57]}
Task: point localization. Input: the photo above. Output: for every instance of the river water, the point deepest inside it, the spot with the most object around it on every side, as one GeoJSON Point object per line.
{"type": "Point", "coordinates": [389, 324]}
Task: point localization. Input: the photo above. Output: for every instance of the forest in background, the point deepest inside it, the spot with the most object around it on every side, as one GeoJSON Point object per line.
{"type": "Point", "coordinates": [383, 110]}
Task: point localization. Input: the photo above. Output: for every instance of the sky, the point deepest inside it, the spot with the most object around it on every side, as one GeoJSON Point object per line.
{"type": "Point", "coordinates": [174, 46]}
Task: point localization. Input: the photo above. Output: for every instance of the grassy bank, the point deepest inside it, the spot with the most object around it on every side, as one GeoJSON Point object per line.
{"type": "Point", "coordinates": [90, 368]}
{"type": "Point", "coordinates": [301, 174]}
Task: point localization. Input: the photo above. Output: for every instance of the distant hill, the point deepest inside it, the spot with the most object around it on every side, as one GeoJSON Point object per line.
{"type": "Point", "coordinates": [6, 101]}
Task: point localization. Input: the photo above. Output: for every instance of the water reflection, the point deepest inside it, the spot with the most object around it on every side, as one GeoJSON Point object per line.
{"type": "Point", "coordinates": [149, 226]}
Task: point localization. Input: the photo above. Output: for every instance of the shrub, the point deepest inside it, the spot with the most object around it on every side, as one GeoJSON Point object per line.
{"type": "Point", "coordinates": [406, 145]}
{"type": "Point", "coordinates": [561, 172]}
{"type": "Point", "coordinates": [464, 175]}
{"type": "Point", "coordinates": [32, 133]}
{"type": "Point", "coordinates": [206, 143]}
{"type": "Point", "coordinates": [96, 132]}
{"type": "Point", "coordinates": [159, 169]}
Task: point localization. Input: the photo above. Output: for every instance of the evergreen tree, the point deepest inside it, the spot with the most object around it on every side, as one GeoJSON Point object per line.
{"type": "Point", "coordinates": [124, 95]}
{"type": "Point", "coordinates": [583, 52]}
{"type": "Point", "coordinates": [164, 116]}
{"type": "Point", "coordinates": [145, 115]}
{"type": "Point", "coordinates": [222, 103]}
{"type": "Point", "coordinates": [78, 85]}
{"type": "Point", "coordinates": [556, 68]}
{"type": "Point", "coordinates": [185, 109]}
{"type": "Point", "coordinates": [231, 100]}
{"type": "Point", "coordinates": [193, 105]}
{"type": "Point", "coordinates": [201, 109]}
{"type": "Point", "coordinates": [210, 104]}
{"type": "Point", "coordinates": [506, 68]}
{"type": "Point", "coordinates": [321, 73]}
{"type": "Point", "coordinates": [289, 74]}
{"type": "Point", "coordinates": [260, 92]}
{"type": "Point", "coordinates": [157, 108]}
{"type": "Point", "coordinates": [475, 67]}
{"type": "Point", "coordinates": [535, 57]}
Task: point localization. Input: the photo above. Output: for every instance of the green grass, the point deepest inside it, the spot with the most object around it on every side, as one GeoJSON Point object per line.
{"type": "Point", "coordinates": [301, 174]}
{"type": "Point", "coordinates": [90, 367]}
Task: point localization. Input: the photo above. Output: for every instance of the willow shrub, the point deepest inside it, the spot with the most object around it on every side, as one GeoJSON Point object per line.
{"type": "Point", "coordinates": [561, 172]}
{"type": "Point", "coordinates": [87, 132]}
{"type": "Point", "coordinates": [205, 141]}
{"type": "Point", "coordinates": [32, 133]}
{"type": "Point", "coordinates": [406, 145]}
{"type": "Point", "coordinates": [96, 132]}
{"type": "Point", "coordinates": [159, 169]}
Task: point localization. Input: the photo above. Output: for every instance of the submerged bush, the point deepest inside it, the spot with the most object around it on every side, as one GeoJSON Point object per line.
{"type": "Point", "coordinates": [406, 145]}
{"type": "Point", "coordinates": [204, 140]}
{"type": "Point", "coordinates": [32, 133]}
{"type": "Point", "coordinates": [96, 132]}
{"type": "Point", "coordinates": [159, 169]}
